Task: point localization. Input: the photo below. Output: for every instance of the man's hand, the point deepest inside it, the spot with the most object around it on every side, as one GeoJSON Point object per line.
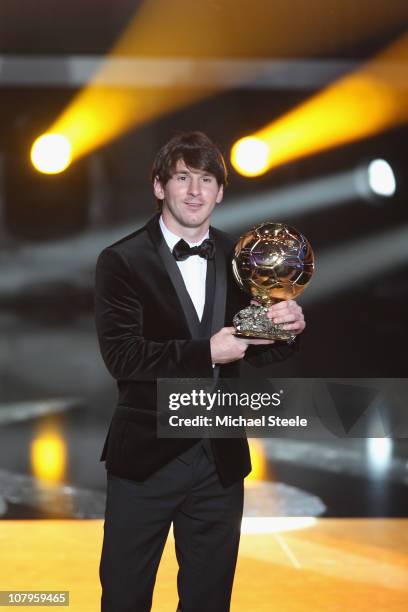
{"type": "Point", "coordinates": [226, 348]}
{"type": "Point", "coordinates": [287, 312]}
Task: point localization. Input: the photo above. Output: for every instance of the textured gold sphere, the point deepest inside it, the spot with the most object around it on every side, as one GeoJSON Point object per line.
{"type": "Point", "coordinates": [273, 261]}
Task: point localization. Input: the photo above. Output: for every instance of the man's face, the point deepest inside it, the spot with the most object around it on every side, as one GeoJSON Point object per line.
{"type": "Point", "coordinates": [189, 197]}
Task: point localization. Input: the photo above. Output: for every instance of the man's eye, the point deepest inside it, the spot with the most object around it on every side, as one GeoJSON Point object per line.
{"type": "Point", "coordinates": [181, 178]}
{"type": "Point", "coordinates": [207, 179]}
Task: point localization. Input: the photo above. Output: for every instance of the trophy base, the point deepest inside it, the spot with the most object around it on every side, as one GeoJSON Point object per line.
{"type": "Point", "coordinates": [252, 323]}
{"type": "Point", "coordinates": [288, 337]}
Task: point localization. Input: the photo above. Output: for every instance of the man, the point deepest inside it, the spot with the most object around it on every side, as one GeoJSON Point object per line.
{"type": "Point", "coordinates": [165, 298]}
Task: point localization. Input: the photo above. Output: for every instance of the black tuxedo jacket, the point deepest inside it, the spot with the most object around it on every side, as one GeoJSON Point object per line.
{"type": "Point", "coordinates": [148, 328]}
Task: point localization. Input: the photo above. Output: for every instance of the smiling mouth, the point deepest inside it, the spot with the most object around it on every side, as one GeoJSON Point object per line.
{"type": "Point", "coordinates": [193, 204]}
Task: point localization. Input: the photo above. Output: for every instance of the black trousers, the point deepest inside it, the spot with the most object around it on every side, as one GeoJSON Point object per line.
{"type": "Point", "coordinates": [206, 523]}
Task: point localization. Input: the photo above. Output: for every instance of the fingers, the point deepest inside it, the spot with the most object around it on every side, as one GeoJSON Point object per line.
{"type": "Point", "coordinates": [290, 323]}
{"type": "Point", "coordinates": [284, 318]}
{"type": "Point", "coordinates": [289, 314]}
{"type": "Point", "coordinates": [297, 327]}
{"type": "Point", "coordinates": [285, 312]}
{"type": "Point", "coordinates": [285, 306]}
{"type": "Point", "coordinates": [290, 318]}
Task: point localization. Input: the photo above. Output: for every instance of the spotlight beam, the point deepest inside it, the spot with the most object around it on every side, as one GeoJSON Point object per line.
{"type": "Point", "coordinates": [287, 202]}
{"type": "Point", "coordinates": [364, 103]}
{"type": "Point", "coordinates": [108, 107]}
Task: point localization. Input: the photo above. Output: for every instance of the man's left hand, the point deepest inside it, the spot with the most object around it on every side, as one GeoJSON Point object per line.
{"type": "Point", "coordinates": [289, 313]}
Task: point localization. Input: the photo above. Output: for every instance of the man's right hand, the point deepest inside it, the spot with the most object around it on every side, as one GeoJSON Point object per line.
{"type": "Point", "coordinates": [226, 347]}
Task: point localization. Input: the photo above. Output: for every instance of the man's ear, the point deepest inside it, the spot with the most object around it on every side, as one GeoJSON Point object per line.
{"type": "Point", "coordinates": [220, 194]}
{"type": "Point", "coordinates": [158, 189]}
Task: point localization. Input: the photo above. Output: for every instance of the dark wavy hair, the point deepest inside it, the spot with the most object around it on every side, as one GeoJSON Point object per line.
{"type": "Point", "coordinates": [196, 150]}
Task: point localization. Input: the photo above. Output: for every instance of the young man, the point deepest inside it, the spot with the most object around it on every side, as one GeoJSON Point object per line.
{"type": "Point", "coordinates": [165, 298]}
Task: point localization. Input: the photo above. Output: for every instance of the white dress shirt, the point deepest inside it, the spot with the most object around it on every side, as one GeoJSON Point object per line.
{"type": "Point", "coordinates": [193, 269]}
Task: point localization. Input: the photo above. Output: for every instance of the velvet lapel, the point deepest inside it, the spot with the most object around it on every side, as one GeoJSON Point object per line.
{"type": "Point", "coordinates": [175, 276]}
{"type": "Point", "coordinates": [220, 296]}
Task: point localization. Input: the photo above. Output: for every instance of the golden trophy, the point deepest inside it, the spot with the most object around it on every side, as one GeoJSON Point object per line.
{"type": "Point", "coordinates": [272, 262]}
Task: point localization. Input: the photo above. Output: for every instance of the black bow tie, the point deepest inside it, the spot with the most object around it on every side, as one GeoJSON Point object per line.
{"type": "Point", "coordinates": [182, 250]}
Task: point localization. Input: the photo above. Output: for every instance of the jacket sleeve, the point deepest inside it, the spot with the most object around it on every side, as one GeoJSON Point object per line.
{"type": "Point", "coordinates": [265, 354]}
{"type": "Point", "coordinates": [119, 324]}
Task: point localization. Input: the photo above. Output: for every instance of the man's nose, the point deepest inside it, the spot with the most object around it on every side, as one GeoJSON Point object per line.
{"type": "Point", "coordinates": [194, 186]}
